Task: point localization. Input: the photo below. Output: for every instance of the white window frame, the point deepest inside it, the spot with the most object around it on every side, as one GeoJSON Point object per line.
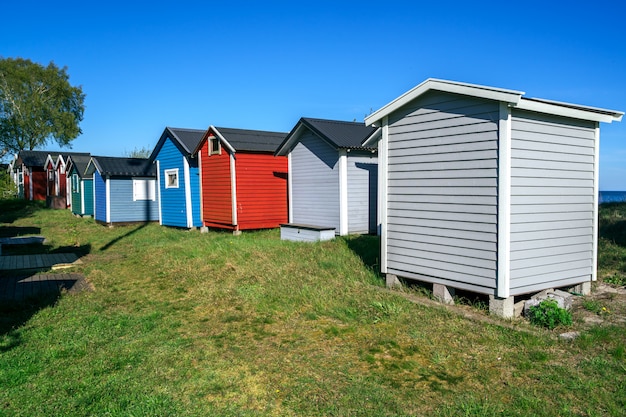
{"type": "Point", "coordinates": [215, 139]}
{"type": "Point", "coordinates": [144, 189]}
{"type": "Point", "coordinates": [166, 175]}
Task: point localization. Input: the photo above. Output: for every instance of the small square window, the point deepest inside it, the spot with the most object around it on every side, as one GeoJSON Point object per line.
{"type": "Point", "coordinates": [171, 178]}
{"type": "Point", "coordinates": [214, 145]}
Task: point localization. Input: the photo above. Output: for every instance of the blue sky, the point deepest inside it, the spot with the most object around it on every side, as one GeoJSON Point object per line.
{"type": "Point", "coordinates": [263, 65]}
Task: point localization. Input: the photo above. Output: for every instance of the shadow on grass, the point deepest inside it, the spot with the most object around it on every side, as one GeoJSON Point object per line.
{"type": "Point", "coordinates": [15, 313]}
{"type": "Point", "coordinates": [15, 231]}
{"type": "Point", "coordinates": [366, 247]}
{"type": "Point", "coordinates": [125, 235]}
{"type": "Point", "coordinates": [12, 210]}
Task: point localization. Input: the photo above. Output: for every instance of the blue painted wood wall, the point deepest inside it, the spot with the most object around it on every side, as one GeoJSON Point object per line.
{"type": "Point", "coordinates": [174, 207]}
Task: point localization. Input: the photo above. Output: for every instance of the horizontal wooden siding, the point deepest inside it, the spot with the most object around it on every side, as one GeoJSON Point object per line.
{"type": "Point", "coordinates": [552, 169]}
{"type": "Point", "coordinates": [315, 188]}
{"type": "Point", "coordinates": [217, 206]}
{"type": "Point", "coordinates": [442, 191]}
{"type": "Point", "coordinates": [261, 190]}
{"type": "Point", "coordinates": [362, 173]}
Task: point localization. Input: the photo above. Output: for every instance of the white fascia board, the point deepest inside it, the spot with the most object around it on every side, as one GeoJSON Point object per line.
{"type": "Point", "coordinates": [291, 140]}
{"type": "Point", "coordinates": [343, 192]}
{"type": "Point", "coordinates": [504, 203]}
{"type": "Point", "coordinates": [49, 159]}
{"type": "Point", "coordinates": [187, 182]}
{"type": "Point", "coordinates": [233, 188]}
{"type": "Point", "coordinates": [289, 188]}
{"type": "Point", "coordinates": [596, 198]}
{"type": "Point", "coordinates": [158, 177]}
{"type": "Point", "coordinates": [373, 139]}
{"type": "Point", "coordinates": [570, 110]}
{"type": "Point", "coordinates": [481, 91]}
{"type": "Point", "coordinates": [222, 139]}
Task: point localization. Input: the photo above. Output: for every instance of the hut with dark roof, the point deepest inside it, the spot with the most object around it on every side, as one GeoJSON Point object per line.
{"type": "Point", "coordinates": [178, 177]}
{"type": "Point", "coordinates": [124, 190]}
{"type": "Point", "coordinates": [80, 185]}
{"type": "Point", "coordinates": [485, 190]}
{"type": "Point", "coordinates": [243, 185]}
{"type": "Point", "coordinates": [332, 176]}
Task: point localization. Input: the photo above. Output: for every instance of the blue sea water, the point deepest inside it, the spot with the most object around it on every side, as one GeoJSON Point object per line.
{"type": "Point", "coordinates": [612, 197]}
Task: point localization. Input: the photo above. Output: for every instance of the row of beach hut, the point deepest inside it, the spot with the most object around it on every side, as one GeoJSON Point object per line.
{"type": "Point", "coordinates": [225, 178]}
{"type": "Point", "coordinates": [470, 187]}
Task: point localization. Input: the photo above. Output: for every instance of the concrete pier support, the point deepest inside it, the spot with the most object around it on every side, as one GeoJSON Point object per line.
{"type": "Point", "coordinates": [392, 281]}
{"type": "Point", "coordinates": [502, 307]}
{"type": "Point", "coordinates": [584, 288]}
{"type": "Point", "coordinates": [443, 293]}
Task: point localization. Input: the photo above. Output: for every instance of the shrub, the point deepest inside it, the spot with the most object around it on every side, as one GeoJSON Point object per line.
{"type": "Point", "coordinates": [549, 314]}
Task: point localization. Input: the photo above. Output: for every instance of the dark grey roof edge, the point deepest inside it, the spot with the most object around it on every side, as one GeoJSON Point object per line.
{"type": "Point", "coordinates": [176, 139]}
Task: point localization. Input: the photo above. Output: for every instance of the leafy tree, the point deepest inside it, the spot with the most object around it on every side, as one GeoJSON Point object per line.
{"type": "Point", "coordinates": [142, 152]}
{"type": "Point", "coordinates": [37, 105]}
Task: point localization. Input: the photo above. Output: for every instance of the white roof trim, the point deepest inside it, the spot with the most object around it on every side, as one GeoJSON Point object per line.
{"type": "Point", "coordinates": [292, 138]}
{"type": "Point", "coordinates": [512, 97]}
{"type": "Point", "coordinates": [221, 137]}
{"type": "Point", "coordinates": [491, 93]}
{"type": "Point", "coordinates": [570, 110]}
{"type": "Point", "coordinates": [372, 141]}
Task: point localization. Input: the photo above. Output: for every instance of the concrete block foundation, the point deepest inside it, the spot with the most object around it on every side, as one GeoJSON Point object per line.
{"type": "Point", "coordinates": [392, 281]}
{"type": "Point", "coordinates": [584, 288]}
{"type": "Point", "coordinates": [502, 307]}
{"type": "Point", "coordinates": [443, 293]}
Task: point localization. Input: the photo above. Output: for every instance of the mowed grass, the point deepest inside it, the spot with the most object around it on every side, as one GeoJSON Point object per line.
{"type": "Point", "coordinates": [189, 324]}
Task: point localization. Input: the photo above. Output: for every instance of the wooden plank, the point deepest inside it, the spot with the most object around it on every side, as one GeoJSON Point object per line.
{"type": "Point", "coordinates": [554, 148]}
{"type": "Point", "coordinates": [551, 182]}
{"type": "Point", "coordinates": [551, 173]}
{"type": "Point", "coordinates": [444, 182]}
{"type": "Point", "coordinates": [444, 199]}
{"type": "Point", "coordinates": [434, 191]}
{"type": "Point", "coordinates": [443, 149]}
{"type": "Point", "coordinates": [551, 191]}
{"type": "Point", "coordinates": [551, 217]}
{"type": "Point", "coordinates": [441, 224]}
{"type": "Point", "coordinates": [461, 256]}
{"type": "Point", "coordinates": [406, 231]}
{"type": "Point", "coordinates": [400, 158]}
{"type": "Point", "coordinates": [551, 251]}
{"type": "Point", "coordinates": [427, 268]}
{"type": "Point", "coordinates": [553, 225]}
{"type": "Point", "coordinates": [559, 242]}
{"type": "Point", "coordinates": [486, 289]}
{"type": "Point", "coordinates": [409, 213]}
{"type": "Point", "coordinates": [551, 234]}
{"type": "Point", "coordinates": [520, 135]}
{"type": "Point", "coordinates": [555, 259]}
{"type": "Point", "coordinates": [551, 156]}
{"type": "Point", "coordinates": [544, 270]}
{"type": "Point", "coordinates": [395, 165]}
{"type": "Point", "coordinates": [445, 136]}
{"type": "Point", "coordinates": [443, 208]}
{"type": "Point", "coordinates": [400, 172]}
{"type": "Point", "coordinates": [408, 240]}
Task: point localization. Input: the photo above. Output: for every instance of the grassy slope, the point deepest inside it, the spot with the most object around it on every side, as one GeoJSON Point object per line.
{"type": "Point", "coordinates": [183, 323]}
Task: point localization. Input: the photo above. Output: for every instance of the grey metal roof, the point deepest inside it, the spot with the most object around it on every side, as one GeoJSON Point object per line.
{"type": "Point", "coordinates": [124, 167]}
{"type": "Point", "coordinates": [252, 140]}
{"type": "Point", "coordinates": [80, 162]}
{"type": "Point", "coordinates": [345, 135]}
{"type": "Point", "coordinates": [187, 140]}
{"type": "Point", "coordinates": [339, 134]}
{"type": "Point", "coordinates": [38, 158]}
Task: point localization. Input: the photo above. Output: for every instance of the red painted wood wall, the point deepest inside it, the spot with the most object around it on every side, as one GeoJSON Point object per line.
{"type": "Point", "coordinates": [261, 180]}
{"type": "Point", "coordinates": [39, 180]}
{"type": "Point", "coordinates": [216, 189]}
{"type": "Point", "coordinates": [261, 190]}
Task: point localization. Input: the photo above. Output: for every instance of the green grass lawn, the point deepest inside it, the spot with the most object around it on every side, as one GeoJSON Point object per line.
{"type": "Point", "coordinates": [188, 324]}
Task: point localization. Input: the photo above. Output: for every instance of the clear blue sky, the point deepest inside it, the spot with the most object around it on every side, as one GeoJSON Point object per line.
{"type": "Point", "coordinates": [263, 65]}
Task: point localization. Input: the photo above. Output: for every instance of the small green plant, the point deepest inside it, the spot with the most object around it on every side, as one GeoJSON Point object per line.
{"type": "Point", "coordinates": [549, 314]}
{"type": "Point", "coordinates": [596, 307]}
{"type": "Point", "coordinates": [616, 279]}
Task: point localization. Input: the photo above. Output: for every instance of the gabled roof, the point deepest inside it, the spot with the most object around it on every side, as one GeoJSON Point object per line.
{"type": "Point", "coordinates": [237, 140]}
{"type": "Point", "coordinates": [187, 140]}
{"type": "Point", "coordinates": [338, 134]}
{"type": "Point", "coordinates": [122, 167]}
{"type": "Point", "coordinates": [80, 162]}
{"type": "Point", "coordinates": [34, 158]}
{"type": "Point", "coordinates": [511, 97]}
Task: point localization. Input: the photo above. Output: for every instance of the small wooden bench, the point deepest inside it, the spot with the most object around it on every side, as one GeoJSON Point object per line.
{"type": "Point", "coordinates": [306, 232]}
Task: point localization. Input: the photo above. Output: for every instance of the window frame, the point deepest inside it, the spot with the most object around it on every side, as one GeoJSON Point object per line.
{"type": "Point", "coordinates": [212, 141]}
{"type": "Point", "coordinates": [145, 193]}
{"type": "Point", "coordinates": [166, 175]}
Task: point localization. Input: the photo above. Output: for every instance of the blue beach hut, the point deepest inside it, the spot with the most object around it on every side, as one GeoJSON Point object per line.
{"type": "Point", "coordinates": [124, 190]}
{"type": "Point", "coordinates": [178, 177]}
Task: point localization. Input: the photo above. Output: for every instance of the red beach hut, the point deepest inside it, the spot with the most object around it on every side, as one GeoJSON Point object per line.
{"type": "Point", "coordinates": [244, 186]}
